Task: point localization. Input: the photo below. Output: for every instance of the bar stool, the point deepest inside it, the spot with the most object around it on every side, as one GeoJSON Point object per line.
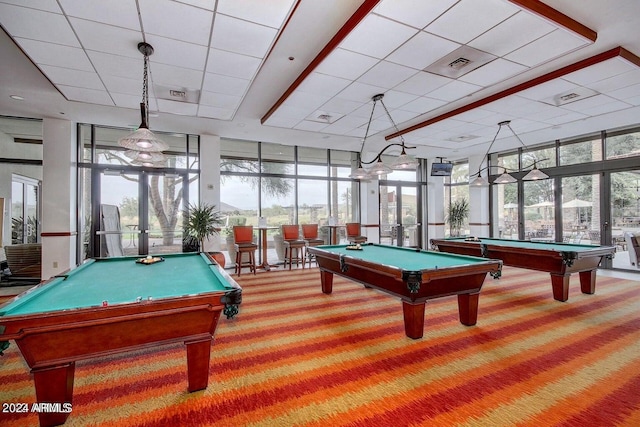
{"type": "Point", "coordinates": [243, 242]}
{"type": "Point", "coordinates": [353, 233]}
{"type": "Point", "coordinates": [291, 237]}
{"type": "Point", "coordinates": [310, 237]}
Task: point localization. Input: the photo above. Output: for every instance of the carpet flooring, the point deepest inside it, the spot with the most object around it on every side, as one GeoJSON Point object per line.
{"type": "Point", "coordinates": [296, 357]}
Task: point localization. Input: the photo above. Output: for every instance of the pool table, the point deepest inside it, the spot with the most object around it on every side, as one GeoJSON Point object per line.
{"type": "Point", "coordinates": [112, 305]}
{"type": "Point", "coordinates": [413, 275]}
{"type": "Point", "coordinates": [558, 259]}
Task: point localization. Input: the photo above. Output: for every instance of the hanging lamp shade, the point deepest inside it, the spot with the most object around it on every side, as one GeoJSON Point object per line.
{"type": "Point", "coordinates": [505, 178]}
{"type": "Point", "coordinates": [535, 174]}
{"type": "Point", "coordinates": [143, 139]}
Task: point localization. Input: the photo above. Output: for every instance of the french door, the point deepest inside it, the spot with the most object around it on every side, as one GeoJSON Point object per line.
{"type": "Point", "coordinates": [138, 212]}
{"type": "Point", "coordinates": [399, 211]}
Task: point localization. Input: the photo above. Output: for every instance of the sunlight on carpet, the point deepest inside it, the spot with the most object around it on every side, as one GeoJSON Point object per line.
{"type": "Point", "coordinates": [297, 357]}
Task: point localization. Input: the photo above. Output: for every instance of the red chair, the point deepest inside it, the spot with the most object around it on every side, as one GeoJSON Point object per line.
{"type": "Point", "coordinates": [243, 242]}
{"type": "Point", "coordinates": [353, 233]}
{"type": "Point", "coordinates": [310, 237]}
{"type": "Point", "coordinates": [291, 237]}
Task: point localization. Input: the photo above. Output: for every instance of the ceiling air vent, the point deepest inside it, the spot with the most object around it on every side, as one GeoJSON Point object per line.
{"type": "Point", "coordinates": [190, 96]}
{"type": "Point", "coordinates": [576, 94]}
{"type": "Point", "coordinates": [459, 63]}
{"type": "Point", "coordinates": [565, 98]}
{"type": "Point", "coordinates": [327, 117]}
{"type": "Point", "coordinates": [178, 93]}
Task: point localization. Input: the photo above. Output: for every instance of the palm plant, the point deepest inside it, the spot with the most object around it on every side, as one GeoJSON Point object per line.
{"type": "Point", "coordinates": [457, 215]}
{"type": "Point", "coordinates": [201, 222]}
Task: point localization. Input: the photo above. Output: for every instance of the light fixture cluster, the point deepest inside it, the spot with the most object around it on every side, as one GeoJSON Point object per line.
{"type": "Point", "coordinates": [143, 146]}
{"type": "Point", "coordinates": [402, 162]}
{"type": "Point", "coordinates": [533, 175]}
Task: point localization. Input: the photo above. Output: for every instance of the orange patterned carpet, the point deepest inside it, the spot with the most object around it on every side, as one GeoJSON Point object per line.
{"type": "Point", "coordinates": [297, 357]}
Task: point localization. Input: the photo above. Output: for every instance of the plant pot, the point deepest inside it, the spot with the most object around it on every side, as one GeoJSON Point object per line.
{"type": "Point", "coordinates": [218, 257]}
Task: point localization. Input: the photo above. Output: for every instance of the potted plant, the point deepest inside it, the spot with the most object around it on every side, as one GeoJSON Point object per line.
{"type": "Point", "coordinates": [457, 216]}
{"type": "Point", "coordinates": [201, 222]}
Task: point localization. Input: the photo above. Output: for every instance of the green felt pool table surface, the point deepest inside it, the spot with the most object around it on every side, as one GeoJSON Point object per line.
{"type": "Point", "coordinates": [404, 258]}
{"type": "Point", "coordinates": [121, 280]}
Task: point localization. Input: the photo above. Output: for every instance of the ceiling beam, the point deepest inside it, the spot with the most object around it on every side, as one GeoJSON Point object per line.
{"type": "Point", "coordinates": [609, 54]}
{"type": "Point", "coordinates": [553, 15]}
{"type": "Point", "coordinates": [352, 22]}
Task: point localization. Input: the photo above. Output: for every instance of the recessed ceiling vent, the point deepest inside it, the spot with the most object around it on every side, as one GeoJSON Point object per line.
{"type": "Point", "coordinates": [327, 117]}
{"type": "Point", "coordinates": [189, 96]}
{"type": "Point", "coordinates": [577, 94]}
{"type": "Point", "coordinates": [459, 63]}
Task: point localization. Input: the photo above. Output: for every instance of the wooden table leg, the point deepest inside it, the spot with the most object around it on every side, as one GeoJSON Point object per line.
{"type": "Point", "coordinates": [588, 281]}
{"type": "Point", "coordinates": [54, 385]}
{"type": "Point", "coordinates": [560, 284]}
{"type": "Point", "coordinates": [413, 319]}
{"type": "Point", "coordinates": [326, 279]}
{"type": "Point", "coordinates": [468, 308]}
{"type": "Point", "coordinates": [198, 357]}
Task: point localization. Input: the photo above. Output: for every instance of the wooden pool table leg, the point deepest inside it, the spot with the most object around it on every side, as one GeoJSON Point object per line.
{"type": "Point", "coordinates": [468, 308]}
{"type": "Point", "coordinates": [588, 281]}
{"type": "Point", "coordinates": [560, 284]}
{"type": "Point", "coordinates": [326, 279]}
{"type": "Point", "coordinates": [198, 357]}
{"type": "Point", "coordinates": [413, 319]}
{"type": "Point", "coordinates": [54, 385]}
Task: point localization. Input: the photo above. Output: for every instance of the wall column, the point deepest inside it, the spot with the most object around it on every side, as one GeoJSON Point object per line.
{"type": "Point", "coordinates": [478, 200]}
{"type": "Point", "coordinates": [59, 196]}
{"type": "Point", "coordinates": [369, 210]}
{"type": "Point", "coordinates": [435, 207]}
{"type": "Point", "coordinates": [210, 179]}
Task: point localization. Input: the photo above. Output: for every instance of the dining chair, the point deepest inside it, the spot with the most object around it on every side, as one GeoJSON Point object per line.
{"type": "Point", "coordinates": [244, 244]}
{"type": "Point", "coordinates": [292, 241]}
{"type": "Point", "coordinates": [310, 237]}
{"type": "Point", "coordinates": [353, 233]}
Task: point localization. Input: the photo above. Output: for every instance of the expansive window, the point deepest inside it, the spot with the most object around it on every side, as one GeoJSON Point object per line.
{"type": "Point", "coordinates": [129, 205]}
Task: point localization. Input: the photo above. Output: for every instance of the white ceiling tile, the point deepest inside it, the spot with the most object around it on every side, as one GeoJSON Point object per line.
{"type": "Point", "coordinates": [308, 125]}
{"type": "Point", "coordinates": [232, 64]}
{"type": "Point", "coordinates": [587, 103]}
{"type": "Point", "coordinates": [107, 38]}
{"type": "Point", "coordinates": [512, 34]}
{"type": "Point", "coordinates": [203, 4]}
{"type": "Point", "coordinates": [423, 105]}
{"type": "Point", "coordinates": [225, 84]}
{"type": "Point", "coordinates": [569, 117]}
{"type": "Point", "coordinates": [600, 71]}
{"type": "Point", "coordinates": [321, 84]}
{"type": "Point", "coordinates": [306, 101]}
{"type": "Point", "coordinates": [417, 13]}
{"type": "Point", "coordinates": [547, 89]}
{"type": "Point", "coordinates": [360, 92]}
{"type": "Point", "coordinates": [625, 93]}
{"type": "Point", "coordinates": [116, 65]}
{"type": "Point", "coordinates": [219, 100]}
{"type": "Point", "coordinates": [617, 82]}
{"type": "Point", "coordinates": [175, 107]}
{"type": "Point", "coordinates": [346, 64]}
{"type": "Point", "coordinates": [43, 26]}
{"type": "Point", "coordinates": [401, 116]}
{"type": "Point", "coordinates": [495, 71]}
{"type": "Point", "coordinates": [215, 112]}
{"type": "Point", "coordinates": [469, 18]}
{"type": "Point", "coordinates": [170, 19]}
{"type": "Point", "coordinates": [341, 106]}
{"type": "Point", "coordinates": [86, 95]}
{"type": "Point", "coordinates": [422, 83]}
{"type": "Point", "coordinates": [454, 90]}
{"type": "Point", "coordinates": [242, 37]}
{"type": "Point", "coordinates": [281, 122]}
{"type": "Point", "coordinates": [123, 85]}
{"type": "Point", "coordinates": [169, 75]}
{"type": "Point", "coordinates": [386, 74]}
{"type": "Point", "coordinates": [178, 53]}
{"type": "Point", "coordinates": [271, 13]}
{"type": "Point", "coordinates": [396, 99]}
{"type": "Point", "coordinates": [605, 108]}
{"type": "Point", "coordinates": [545, 48]}
{"type": "Point", "coordinates": [55, 54]}
{"type": "Point", "coordinates": [127, 100]}
{"type": "Point", "coordinates": [377, 36]}
{"type": "Point", "coordinates": [46, 5]}
{"type": "Point", "coordinates": [287, 112]}
{"type": "Point", "coordinates": [422, 50]}
{"type": "Point", "coordinates": [69, 77]}
{"type": "Point", "coordinates": [121, 13]}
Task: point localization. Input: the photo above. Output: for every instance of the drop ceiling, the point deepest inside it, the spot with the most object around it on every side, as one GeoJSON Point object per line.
{"type": "Point", "coordinates": [302, 72]}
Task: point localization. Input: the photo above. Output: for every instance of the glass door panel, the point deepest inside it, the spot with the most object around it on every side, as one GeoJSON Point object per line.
{"type": "Point", "coordinates": [398, 215]}
{"type": "Point", "coordinates": [539, 214]}
{"type": "Point", "coordinates": [408, 227]}
{"type": "Point", "coordinates": [118, 231]}
{"type": "Point", "coordinates": [581, 209]}
{"type": "Point", "coordinates": [388, 215]}
{"type": "Point", "coordinates": [625, 218]}
{"type": "Point", "coordinates": [164, 213]}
